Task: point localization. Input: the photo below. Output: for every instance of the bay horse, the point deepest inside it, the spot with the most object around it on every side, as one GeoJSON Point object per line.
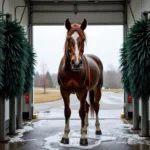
{"type": "Point", "coordinates": [79, 74]}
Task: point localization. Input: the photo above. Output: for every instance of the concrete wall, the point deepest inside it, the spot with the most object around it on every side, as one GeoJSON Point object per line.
{"type": "Point", "coordinates": [138, 6]}
{"type": "Point", "coordinates": [9, 7]}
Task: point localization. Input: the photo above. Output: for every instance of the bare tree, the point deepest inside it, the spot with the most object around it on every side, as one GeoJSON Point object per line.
{"type": "Point", "coordinates": [43, 81]}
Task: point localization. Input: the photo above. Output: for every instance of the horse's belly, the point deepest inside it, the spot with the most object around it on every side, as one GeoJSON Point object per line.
{"type": "Point", "coordinates": [94, 73]}
{"type": "Point", "coordinates": [94, 80]}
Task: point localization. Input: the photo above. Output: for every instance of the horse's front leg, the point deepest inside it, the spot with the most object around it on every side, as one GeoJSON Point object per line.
{"type": "Point", "coordinates": [82, 112]}
{"type": "Point", "coordinates": [67, 112]}
{"type": "Point", "coordinates": [86, 117]}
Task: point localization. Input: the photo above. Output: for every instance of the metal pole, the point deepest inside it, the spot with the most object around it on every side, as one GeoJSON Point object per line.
{"type": "Point", "coordinates": [31, 104]}
{"type": "Point", "coordinates": [126, 107]}
{"type": "Point", "coordinates": [30, 38]}
{"type": "Point", "coordinates": [125, 29]}
{"type": "Point", "coordinates": [22, 13]}
{"type": "Point", "coordinates": [3, 7]}
{"type": "Point", "coordinates": [145, 117]}
{"type": "Point", "coordinates": [132, 13]}
{"type": "Point", "coordinates": [19, 112]}
{"type": "Point", "coordinates": [12, 103]}
{"type": "Point", "coordinates": [12, 116]}
{"type": "Point", "coordinates": [135, 114]}
{"type": "Point", "coordinates": [145, 103]}
{"type": "Point", "coordinates": [2, 120]}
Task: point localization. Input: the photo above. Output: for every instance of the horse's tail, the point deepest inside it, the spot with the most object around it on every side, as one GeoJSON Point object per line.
{"type": "Point", "coordinates": [91, 100]}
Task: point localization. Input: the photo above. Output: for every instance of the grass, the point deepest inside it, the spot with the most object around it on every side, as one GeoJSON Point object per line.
{"type": "Point", "coordinates": [113, 90]}
{"type": "Point", "coordinates": [53, 88]}
{"type": "Point", "coordinates": [49, 96]}
{"type": "Point", "coordinates": [40, 97]}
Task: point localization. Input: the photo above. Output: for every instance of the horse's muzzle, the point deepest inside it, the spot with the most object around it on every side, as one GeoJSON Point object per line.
{"type": "Point", "coordinates": [76, 67]}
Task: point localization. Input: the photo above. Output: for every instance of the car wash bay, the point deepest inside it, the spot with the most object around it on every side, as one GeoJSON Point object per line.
{"type": "Point", "coordinates": [117, 132]}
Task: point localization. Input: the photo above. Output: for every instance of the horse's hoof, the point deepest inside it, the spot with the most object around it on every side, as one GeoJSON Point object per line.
{"type": "Point", "coordinates": [99, 132]}
{"type": "Point", "coordinates": [83, 142]}
{"type": "Point", "coordinates": [65, 141]}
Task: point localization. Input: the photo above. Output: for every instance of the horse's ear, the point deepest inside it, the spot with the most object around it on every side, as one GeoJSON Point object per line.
{"type": "Point", "coordinates": [84, 24]}
{"type": "Point", "coordinates": [67, 24]}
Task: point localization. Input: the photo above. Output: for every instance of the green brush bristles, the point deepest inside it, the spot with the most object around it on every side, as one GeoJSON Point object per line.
{"type": "Point", "coordinates": [1, 47]}
{"type": "Point", "coordinates": [138, 48]}
{"type": "Point", "coordinates": [15, 58]}
{"type": "Point", "coordinates": [29, 72]}
{"type": "Point", "coordinates": [124, 65]}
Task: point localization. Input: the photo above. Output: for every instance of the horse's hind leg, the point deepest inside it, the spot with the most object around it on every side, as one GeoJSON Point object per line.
{"type": "Point", "coordinates": [67, 112]}
{"type": "Point", "coordinates": [97, 93]}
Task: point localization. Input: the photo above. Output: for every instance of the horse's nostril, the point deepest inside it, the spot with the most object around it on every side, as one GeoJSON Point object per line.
{"type": "Point", "coordinates": [80, 62]}
{"type": "Point", "coordinates": [73, 62]}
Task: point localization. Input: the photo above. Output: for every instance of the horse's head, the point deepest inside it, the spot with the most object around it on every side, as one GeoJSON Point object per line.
{"type": "Point", "coordinates": [74, 47]}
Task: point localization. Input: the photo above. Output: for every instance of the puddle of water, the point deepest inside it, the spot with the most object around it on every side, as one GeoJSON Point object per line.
{"type": "Point", "coordinates": [20, 132]}
{"type": "Point", "coordinates": [133, 139]}
{"type": "Point", "coordinates": [131, 136]}
{"type": "Point", "coordinates": [53, 142]}
{"type": "Point", "coordinates": [40, 123]}
{"type": "Point", "coordinates": [123, 126]}
{"type": "Point", "coordinates": [47, 111]}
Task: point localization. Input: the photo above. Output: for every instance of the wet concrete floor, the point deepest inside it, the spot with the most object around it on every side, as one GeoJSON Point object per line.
{"type": "Point", "coordinates": [46, 132]}
{"type": "Point", "coordinates": [116, 132]}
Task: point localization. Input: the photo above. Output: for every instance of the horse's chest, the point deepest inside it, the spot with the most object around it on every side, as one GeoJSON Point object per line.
{"type": "Point", "coordinates": [73, 84]}
{"type": "Point", "coordinates": [73, 81]}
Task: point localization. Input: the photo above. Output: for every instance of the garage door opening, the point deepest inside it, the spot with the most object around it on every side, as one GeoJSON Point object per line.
{"type": "Point", "coordinates": [103, 41]}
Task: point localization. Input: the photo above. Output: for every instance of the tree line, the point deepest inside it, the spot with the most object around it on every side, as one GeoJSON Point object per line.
{"type": "Point", "coordinates": [111, 79]}
{"type": "Point", "coordinates": [41, 80]}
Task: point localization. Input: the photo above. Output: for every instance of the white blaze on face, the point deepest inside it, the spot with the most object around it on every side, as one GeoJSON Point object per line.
{"type": "Point", "coordinates": [75, 36]}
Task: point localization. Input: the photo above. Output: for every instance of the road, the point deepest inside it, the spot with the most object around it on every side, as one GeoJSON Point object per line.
{"type": "Point", "coordinates": [111, 105]}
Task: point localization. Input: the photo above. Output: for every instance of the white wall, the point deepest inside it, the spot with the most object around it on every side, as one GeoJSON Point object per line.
{"type": "Point", "coordinates": [9, 7]}
{"type": "Point", "coordinates": [138, 6]}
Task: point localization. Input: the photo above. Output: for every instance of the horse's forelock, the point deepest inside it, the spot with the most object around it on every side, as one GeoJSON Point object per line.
{"type": "Point", "coordinates": [76, 28]}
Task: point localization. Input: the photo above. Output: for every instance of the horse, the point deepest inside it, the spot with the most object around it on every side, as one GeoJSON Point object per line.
{"type": "Point", "coordinates": [82, 75]}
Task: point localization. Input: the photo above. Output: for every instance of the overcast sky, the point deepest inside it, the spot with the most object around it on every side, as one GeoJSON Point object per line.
{"type": "Point", "coordinates": [103, 41]}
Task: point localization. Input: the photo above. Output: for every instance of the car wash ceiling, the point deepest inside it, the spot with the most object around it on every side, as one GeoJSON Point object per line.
{"type": "Point", "coordinates": [98, 12]}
